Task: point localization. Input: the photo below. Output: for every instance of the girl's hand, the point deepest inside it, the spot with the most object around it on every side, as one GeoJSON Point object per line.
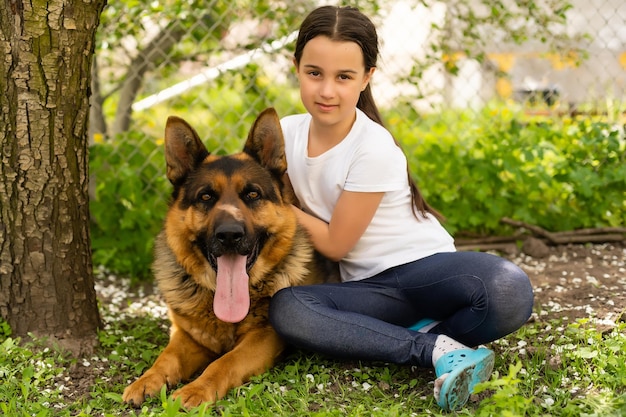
{"type": "Point", "coordinates": [353, 213]}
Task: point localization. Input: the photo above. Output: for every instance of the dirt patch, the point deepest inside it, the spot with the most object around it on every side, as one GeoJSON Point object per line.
{"type": "Point", "coordinates": [578, 281]}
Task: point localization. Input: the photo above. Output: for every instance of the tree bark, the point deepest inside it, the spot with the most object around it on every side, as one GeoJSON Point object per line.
{"type": "Point", "coordinates": [46, 275]}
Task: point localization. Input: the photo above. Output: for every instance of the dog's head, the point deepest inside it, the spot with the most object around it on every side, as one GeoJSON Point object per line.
{"type": "Point", "coordinates": [228, 216]}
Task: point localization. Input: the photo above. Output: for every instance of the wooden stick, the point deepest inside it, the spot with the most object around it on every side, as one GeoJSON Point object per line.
{"type": "Point", "coordinates": [504, 243]}
{"type": "Point", "coordinates": [601, 234]}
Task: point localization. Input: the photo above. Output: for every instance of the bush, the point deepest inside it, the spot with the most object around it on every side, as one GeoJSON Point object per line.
{"type": "Point", "coordinates": [557, 174]}
{"type": "Point", "coordinates": [129, 203]}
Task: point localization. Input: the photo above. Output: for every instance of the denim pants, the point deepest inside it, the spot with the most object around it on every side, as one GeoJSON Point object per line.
{"type": "Point", "coordinates": [478, 297]}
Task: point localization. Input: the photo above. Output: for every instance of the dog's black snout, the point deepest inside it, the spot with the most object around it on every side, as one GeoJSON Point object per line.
{"type": "Point", "coordinates": [229, 234]}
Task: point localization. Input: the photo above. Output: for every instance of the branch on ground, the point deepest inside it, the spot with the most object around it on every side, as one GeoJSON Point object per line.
{"type": "Point", "coordinates": [509, 244]}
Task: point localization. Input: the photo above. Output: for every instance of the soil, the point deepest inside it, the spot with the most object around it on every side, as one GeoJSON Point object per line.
{"type": "Point", "coordinates": [578, 281]}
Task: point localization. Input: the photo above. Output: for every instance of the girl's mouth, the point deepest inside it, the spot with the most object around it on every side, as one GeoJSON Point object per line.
{"type": "Point", "coordinates": [326, 107]}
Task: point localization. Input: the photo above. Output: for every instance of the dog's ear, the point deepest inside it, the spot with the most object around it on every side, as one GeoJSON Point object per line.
{"type": "Point", "coordinates": [184, 150]}
{"type": "Point", "coordinates": [266, 143]}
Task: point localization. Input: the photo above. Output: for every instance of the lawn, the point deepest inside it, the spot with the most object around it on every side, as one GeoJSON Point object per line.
{"type": "Point", "coordinates": [566, 361]}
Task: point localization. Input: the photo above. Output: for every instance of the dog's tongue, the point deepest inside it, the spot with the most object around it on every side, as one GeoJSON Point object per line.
{"type": "Point", "coordinates": [232, 297]}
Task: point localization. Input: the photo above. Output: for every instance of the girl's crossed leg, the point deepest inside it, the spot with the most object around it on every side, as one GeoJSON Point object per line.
{"type": "Point", "coordinates": [476, 297]}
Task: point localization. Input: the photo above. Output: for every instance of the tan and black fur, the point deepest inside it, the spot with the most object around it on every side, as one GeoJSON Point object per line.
{"type": "Point", "coordinates": [223, 206]}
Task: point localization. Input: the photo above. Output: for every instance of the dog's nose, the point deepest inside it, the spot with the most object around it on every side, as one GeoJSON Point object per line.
{"type": "Point", "coordinates": [229, 234]}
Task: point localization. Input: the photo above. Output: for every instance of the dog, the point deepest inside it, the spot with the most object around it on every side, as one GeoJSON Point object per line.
{"type": "Point", "coordinates": [230, 241]}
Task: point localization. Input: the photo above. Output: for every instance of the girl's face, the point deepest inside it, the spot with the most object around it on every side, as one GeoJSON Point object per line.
{"type": "Point", "coordinates": [332, 75]}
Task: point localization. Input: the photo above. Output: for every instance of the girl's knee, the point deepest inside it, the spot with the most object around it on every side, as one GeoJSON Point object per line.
{"type": "Point", "coordinates": [520, 284]}
{"type": "Point", "coordinates": [279, 306]}
{"type": "Point", "coordinates": [516, 295]}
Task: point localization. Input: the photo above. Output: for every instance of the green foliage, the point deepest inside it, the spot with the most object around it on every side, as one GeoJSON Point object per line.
{"type": "Point", "coordinates": [5, 329]}
{"type": "Point", "coordinates": [129, 203]}
{"type": "Point", "coordinates": [605, 367]}
{"type": "Point", "coordinates": [564, 370]}
{"type": "Point", "coordinates": [480, 167]}
{"type": "Point", "coordinates": [506, 399]}
{"type": "Point", "coordinates": [27, 372]}
{"type": "Point", "coordinates": [594, 163]}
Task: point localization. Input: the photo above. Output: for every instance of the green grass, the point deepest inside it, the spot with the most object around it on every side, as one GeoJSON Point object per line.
{"type": "Point", "coordinates": [548, 368]}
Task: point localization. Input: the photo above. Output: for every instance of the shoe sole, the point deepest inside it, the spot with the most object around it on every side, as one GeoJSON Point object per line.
{"type": "Point", "coordinates": [460, 383]}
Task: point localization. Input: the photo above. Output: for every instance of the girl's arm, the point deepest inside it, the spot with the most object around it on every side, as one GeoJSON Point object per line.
{"type": "Point", "coordinates": [353, 213]}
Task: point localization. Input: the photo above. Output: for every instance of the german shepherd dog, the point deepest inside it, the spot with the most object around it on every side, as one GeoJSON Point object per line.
{"type": "Point", "coordinates": [230, 241]}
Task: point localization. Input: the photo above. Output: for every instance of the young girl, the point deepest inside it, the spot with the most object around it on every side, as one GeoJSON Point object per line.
{"type": "Point", "coordinates": [406, 295]}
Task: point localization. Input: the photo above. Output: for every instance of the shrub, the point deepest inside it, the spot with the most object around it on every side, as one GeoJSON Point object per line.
{"type": "Point", "coordinates": [129, 203]}
{"type": "Point", "coordinates": [557, 174]}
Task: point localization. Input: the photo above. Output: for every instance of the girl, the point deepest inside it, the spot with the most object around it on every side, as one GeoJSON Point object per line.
{"type": "Point", "coordinates": [406, 295]}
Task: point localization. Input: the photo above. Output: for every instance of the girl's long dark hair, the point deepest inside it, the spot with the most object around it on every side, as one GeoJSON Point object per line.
{"type": "Point", "coordinates": [348, 24]}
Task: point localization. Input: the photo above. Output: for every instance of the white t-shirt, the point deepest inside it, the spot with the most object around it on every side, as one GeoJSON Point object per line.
{"type": "Point", "coordinates": [366, 160]}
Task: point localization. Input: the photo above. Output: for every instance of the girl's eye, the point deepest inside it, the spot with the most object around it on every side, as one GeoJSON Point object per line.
{"type": "Point", "coordinates": [314, 73]}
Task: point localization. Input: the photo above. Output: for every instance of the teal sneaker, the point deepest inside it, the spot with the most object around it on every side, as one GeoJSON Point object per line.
{"type": "Point", "coordinates": [464, 368]}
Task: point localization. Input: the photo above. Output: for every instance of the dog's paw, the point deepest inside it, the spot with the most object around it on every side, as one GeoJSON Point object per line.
{"type": "Point", "coordinates": [194, 394]}
{"type": "Point", "coordinates": [146, 386]}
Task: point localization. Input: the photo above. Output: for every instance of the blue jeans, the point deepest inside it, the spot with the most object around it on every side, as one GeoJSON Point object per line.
{"type": "Point", "coordinates": [478, 298]}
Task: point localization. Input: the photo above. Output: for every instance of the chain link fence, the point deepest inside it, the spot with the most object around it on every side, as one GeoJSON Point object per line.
{"type": "Point", "coordinates": [218, 63]}
{"type": "Point", "coordinates": [179, 57]}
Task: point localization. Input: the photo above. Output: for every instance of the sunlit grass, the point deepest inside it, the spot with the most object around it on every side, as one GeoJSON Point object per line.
{"type": "Point", "coordinates": [550, 368]}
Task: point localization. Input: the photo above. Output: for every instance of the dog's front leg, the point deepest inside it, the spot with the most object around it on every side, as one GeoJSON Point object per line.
{"type": "Point", "coordinates": [180, 359]}
{"type": "Point", "coordinates": [254, 354]}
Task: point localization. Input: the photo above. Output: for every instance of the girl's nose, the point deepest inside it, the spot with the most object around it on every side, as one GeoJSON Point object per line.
{"type": "Point", "coordinates": [327, 89]}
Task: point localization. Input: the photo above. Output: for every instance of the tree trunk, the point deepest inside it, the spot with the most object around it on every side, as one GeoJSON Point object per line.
{"type": "Point", "coordinates": [46, 275]}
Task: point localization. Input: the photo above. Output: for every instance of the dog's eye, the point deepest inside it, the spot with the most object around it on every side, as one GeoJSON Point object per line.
{"type": "Point", "coordinates": [253, 195]}
{"type": "Point", "coordinates": [206, 197]}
